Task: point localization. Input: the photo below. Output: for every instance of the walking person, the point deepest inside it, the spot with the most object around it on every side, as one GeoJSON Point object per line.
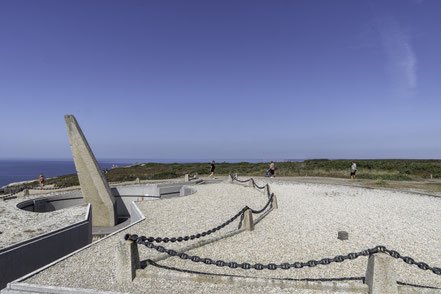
{"type": "Point", "coordinates": [41, 181]}
{"type": "Point", "coordinates": [271, 169]}
{"type": "Point", "coordinates": [212, 167]}
{"type": "Point", "coordinates": [353, 170]}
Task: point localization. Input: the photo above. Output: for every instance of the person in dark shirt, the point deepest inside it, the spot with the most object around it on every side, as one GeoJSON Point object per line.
{"type": "Point", "coordinates": [212, 167]}
{"type": "Point", "coordinates": [271, 169]}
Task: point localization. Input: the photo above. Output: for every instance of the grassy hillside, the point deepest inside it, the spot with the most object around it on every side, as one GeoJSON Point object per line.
{"type": "Point", "coordinates": [394, 169]}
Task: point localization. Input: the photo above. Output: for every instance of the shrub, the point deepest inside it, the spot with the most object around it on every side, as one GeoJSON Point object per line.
{"type": "Point", "coordinates": [380, 181]}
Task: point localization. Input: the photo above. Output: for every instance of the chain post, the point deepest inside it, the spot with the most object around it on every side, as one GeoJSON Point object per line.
{"type": "Point", "coordinates": [127, 260]}
{"type": "Point", "coordinates": [380, 275]}
{"type": "Point", "coordinates": [248, 223]}
{"type": "Point", "coordinates": [274, 202]}
{"type": "Point", "coordinates": [267, 190]}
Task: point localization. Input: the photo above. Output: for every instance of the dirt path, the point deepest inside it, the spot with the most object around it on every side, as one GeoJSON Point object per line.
{"type": "Point", "coordinates": [426, 187]}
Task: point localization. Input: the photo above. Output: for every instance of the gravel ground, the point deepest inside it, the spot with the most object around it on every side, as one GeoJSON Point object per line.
{"type": "Point", "coordinates": [304, 227]}
{"type": "Point", "coordinates": [18, 225]}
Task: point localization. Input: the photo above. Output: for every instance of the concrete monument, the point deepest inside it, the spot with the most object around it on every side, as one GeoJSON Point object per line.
{"type": "Point", "coordinates": [94, 186]}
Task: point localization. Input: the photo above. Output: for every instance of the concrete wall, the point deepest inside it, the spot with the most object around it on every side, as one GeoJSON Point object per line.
{"type": "Point", "coordinates": [124, 196]}
{"type": "Point", "coordinates": [135, 214]}
{"type": "Point", "coordinates": [139, 190]}
{"type": "Point", "coordinates": [25, 257]}
{"type": "Point", "coordinates": [51, 203]}
{"type": "Point", "coordinates": [185, 190]}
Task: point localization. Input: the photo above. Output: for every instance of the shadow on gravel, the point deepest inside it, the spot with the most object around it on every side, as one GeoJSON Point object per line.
{"type": "Point", "coordinates": [144, 264]}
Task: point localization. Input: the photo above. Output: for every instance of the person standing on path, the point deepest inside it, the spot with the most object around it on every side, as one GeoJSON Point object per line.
{"type": "Point", "coordinates": [41, 181]}
{"type": "Point", "coordinates": [212, 167]}
{"type": "Point", "coordinates": [271, 169]}
{"type": "Point", "coordinates": [353, 170]}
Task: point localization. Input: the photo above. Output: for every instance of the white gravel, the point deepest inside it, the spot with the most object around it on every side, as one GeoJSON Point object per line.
{"type": "Point", "coordinates": [304, 227]}
{"type": "Point", "coordinates": [306, 224]}
{"type": "Point", "coordinates": [18, 225]}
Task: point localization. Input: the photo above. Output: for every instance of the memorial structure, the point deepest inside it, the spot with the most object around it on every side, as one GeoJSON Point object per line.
{"type": "Point", "coordinates": [94, 186]}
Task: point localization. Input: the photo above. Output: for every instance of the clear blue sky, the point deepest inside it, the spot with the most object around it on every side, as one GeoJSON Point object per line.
{"type": "Point", "coordinates": [222, 79]}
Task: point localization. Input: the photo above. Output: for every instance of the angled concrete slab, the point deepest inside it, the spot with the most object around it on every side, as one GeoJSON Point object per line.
{"type": "Point", "coordinates": [94, 186]}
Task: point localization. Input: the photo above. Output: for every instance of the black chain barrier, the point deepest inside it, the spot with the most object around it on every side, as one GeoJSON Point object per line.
{"type": "Point", "coordinates": [266, 205]}
{"type": "Point", "coordinates": [245, 181]}
{"type": "Point", "coordinates": [257, 186]}
{"type": "Point", "coordinates": [136, 238]}
{"type": "Point", "coordinates": [240, 181]}
{"type": "Point", "coordinates": [16, 191]}
{"type": "Point", "coordinates": [286, 265]}
{"type": "Point", "coordinates": [13, 191]}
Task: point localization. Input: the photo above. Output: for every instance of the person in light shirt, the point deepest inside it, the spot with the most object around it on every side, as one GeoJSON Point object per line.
{"type": "Point", "coordinates": [353, 170]}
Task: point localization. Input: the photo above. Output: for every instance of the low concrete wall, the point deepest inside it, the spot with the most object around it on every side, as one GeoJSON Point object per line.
{"type": "Point", "coordinates": [52, 203]}
{"type": "Point", "coordinates": [25, 257]}
{"type": "Point", "coordinates": [185, 190]}
{"type": "Point", "coordinates": [124, 196]}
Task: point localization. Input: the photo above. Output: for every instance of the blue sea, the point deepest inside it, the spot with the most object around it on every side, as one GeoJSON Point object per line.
{"type": "Point", "coordinates": [23, 170]}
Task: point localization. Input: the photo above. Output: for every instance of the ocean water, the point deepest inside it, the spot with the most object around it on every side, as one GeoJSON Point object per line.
{"type": "Point", "coordinates": [24, 170]}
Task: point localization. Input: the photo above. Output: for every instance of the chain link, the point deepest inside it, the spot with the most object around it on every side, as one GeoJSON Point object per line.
{"type": "Point", "coordinates": [240, 181]}
{"type": "Point", "coordinates": [410, 260]}
{"type": "Point", "coordinates": [286, 265]}
{"type": "Point", "coordinates": [139, 239]}
{"type": "Point", "coordinates": [265, 207]}
{"type": "Point", "coordinates": [257, 186]}
{"type": "Point", "coordinates": [245, 181]}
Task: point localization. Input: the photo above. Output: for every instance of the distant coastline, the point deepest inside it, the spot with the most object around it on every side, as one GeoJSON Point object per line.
{"type": "Point", "coordinates": [13, 171]}
{"type": "Point", "coordinates": [22, 170]}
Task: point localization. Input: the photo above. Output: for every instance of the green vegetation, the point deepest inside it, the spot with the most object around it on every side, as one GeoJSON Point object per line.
{"type": "Point", "coordinates": [380, 181]}
{"type": "Point", "coordinates": [387, 170]}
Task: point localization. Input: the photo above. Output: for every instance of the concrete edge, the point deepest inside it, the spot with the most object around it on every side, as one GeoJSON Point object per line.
{"type": "Point", "coordinates": [31, 288]}
{"type": "Point", "coordinates": [138, 211]}
{"type": "Point", "coordinates": [9, 285]}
